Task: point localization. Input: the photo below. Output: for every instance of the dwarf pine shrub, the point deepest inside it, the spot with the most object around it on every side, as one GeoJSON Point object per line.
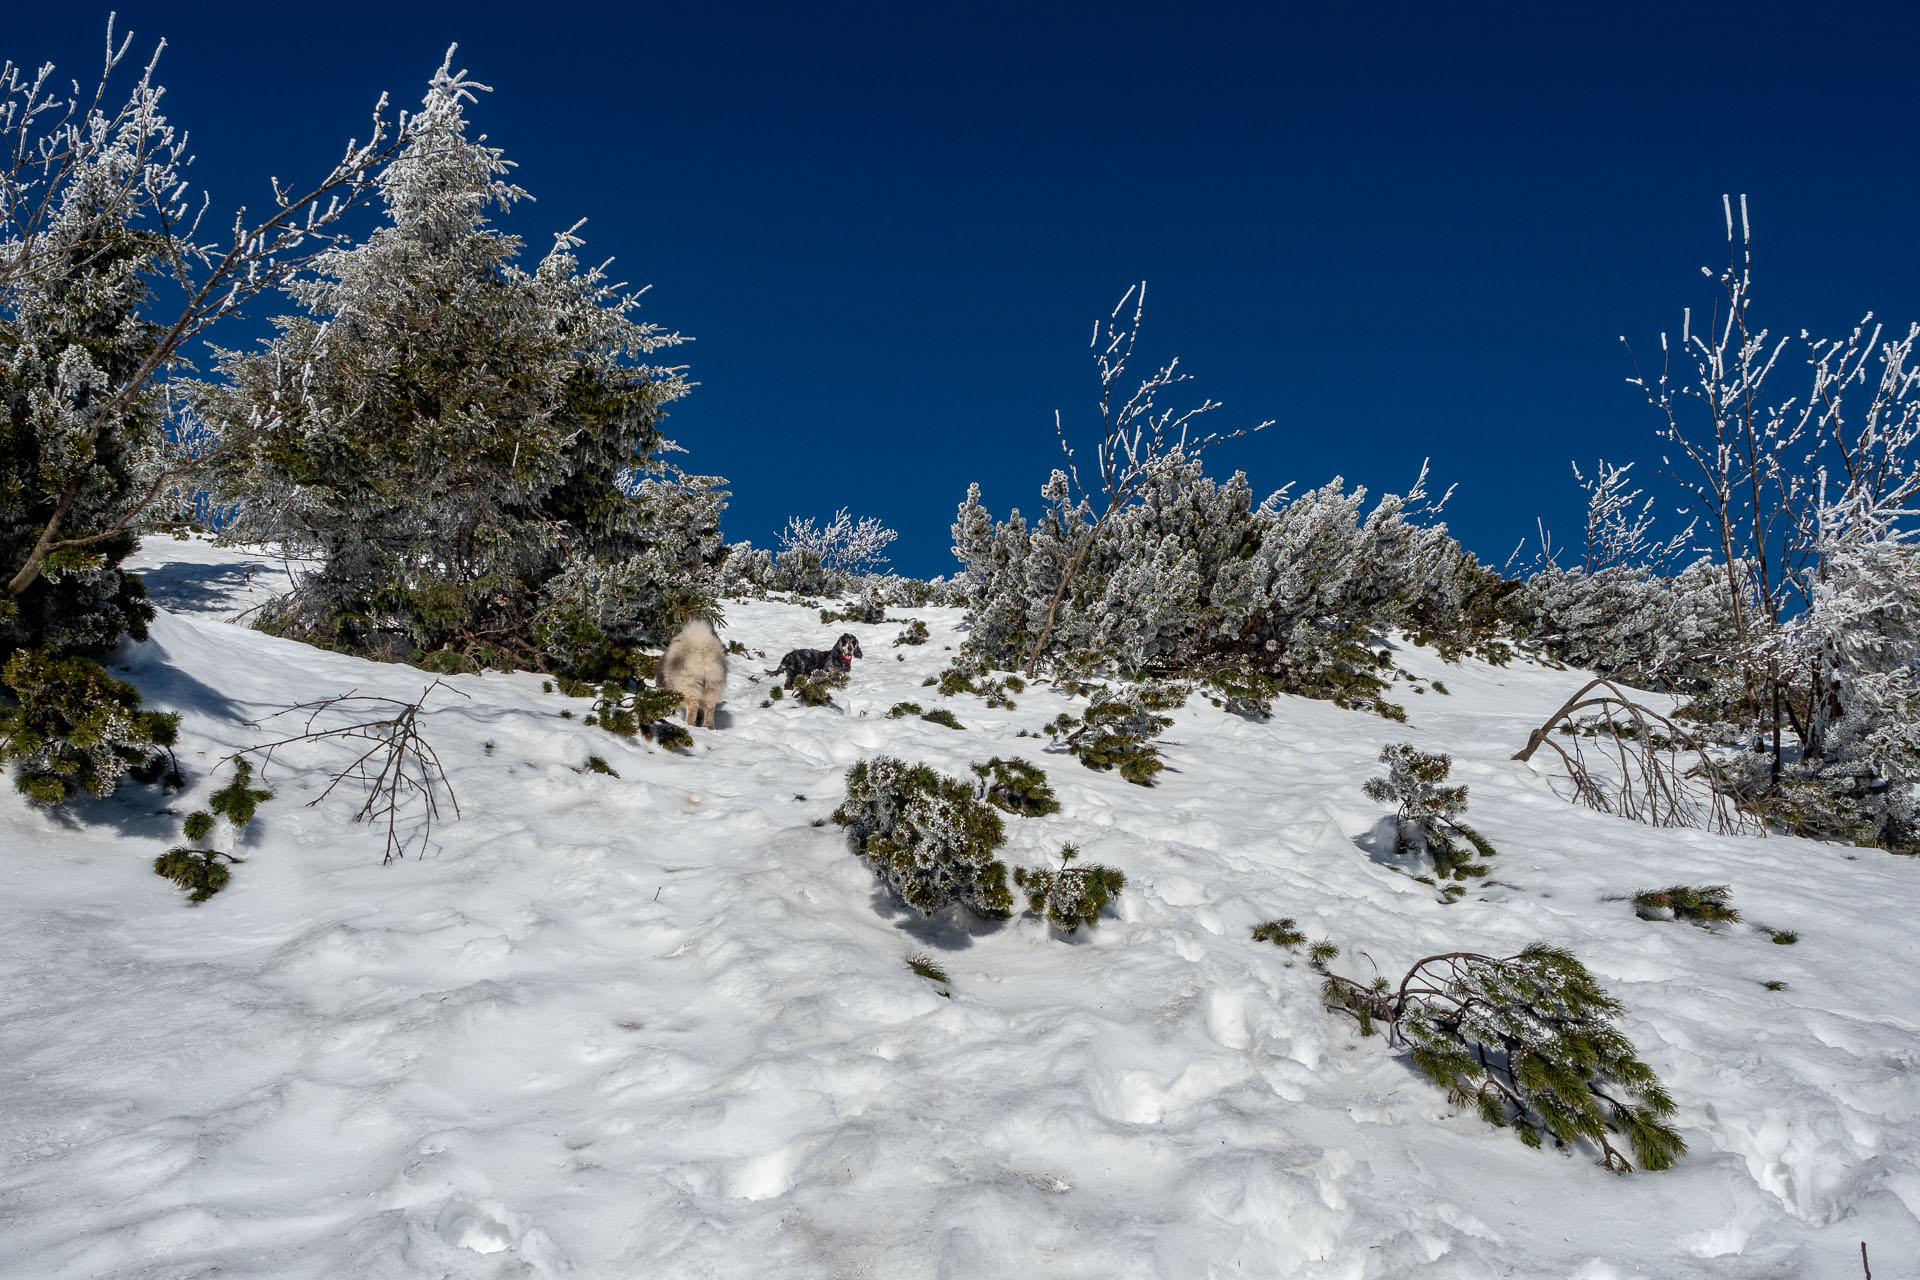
{"type": "Point", "coordinates": [1281, 933]}
{"type": "Point", "coordinates": [1067, 895]}
{"type": "Point", "coordinates": [1117, 729]}
{"type": "Point", "coordinates": [816, 690]}
{"type": "Point", "coordinates": [1705, 904]}
{"type": "Point", "coordinates": [1428, 822]}
{"type": "Point", "coordinates": [1015, 786]}
{"type": "Point", "coordinates": [926, 836]}
{"type": "Point", "coordinates": [203, 872]}
{"type": "Point", "coordinates": [75, 728]}
{"type": "Point", "coordinates": [915, 632]}
{"type": "Point", "coordinates": [924, 965]}
{"type": "Point", "coordinates": [942, 716]}
{"type": "Point", "coordinates": [237, 801]}
{"type": "Point", "coordinates": [645, 712]}
{"type": "Point", "coordinates": [1529, 1041]}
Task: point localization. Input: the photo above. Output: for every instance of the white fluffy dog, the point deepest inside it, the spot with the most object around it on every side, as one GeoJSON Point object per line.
{"type": "Point", "coordinates": [695, 667]}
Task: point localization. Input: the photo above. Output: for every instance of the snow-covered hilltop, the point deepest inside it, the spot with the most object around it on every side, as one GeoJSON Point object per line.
{"type": "Point", "coordinates": [659, 1022]}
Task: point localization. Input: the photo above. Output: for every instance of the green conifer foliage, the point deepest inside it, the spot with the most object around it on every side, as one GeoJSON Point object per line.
{"type": "Point", "coordinates": [1016, 786]}
{"type": "Point", "coordinates": [202, 871]}
{"type": "Point", "coordinates": [816, 690]}
{"type": "Point", "coordinates": [1068, 895]}
{"type": "Point", "coordinates": [915, 632]}
{"type": "Point", "coordinates": [75, 728]}
{"type": "Point", "coordinates": [1704, 904]}
{"type": "Point", "coordinates": [237, 800]}
{"type": "Point", "coordinates": [943, 717]}
{"type": "Point", "coordinates": [1281, 933]}
{"type": "Point", "coordinates": [926, 835]}
{"type": "Point", "coordinates": [1527, 1041]}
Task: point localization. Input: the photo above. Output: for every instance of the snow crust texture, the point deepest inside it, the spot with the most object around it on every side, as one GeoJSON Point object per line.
{"type": "Point", "coordinates": [660, 1024]}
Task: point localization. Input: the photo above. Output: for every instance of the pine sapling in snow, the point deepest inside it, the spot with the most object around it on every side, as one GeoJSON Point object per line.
{"type": "Point", "coordinates": [1702, 904]}
{"type": "Point", "coordinates": [816, 689]}
{"type": "Point", "coordinates": [1428, 822]}
{"type": "Point", "coordinates": [1068, 895]}
{"type": "Point", "coordinates": [202, 870]}
{"type": "Point", "coordinates": [643, 711]}
{"type": "Point", "coordinates": [1281, 933]}
{"type": "Point", "coordinates": [1117, 729]}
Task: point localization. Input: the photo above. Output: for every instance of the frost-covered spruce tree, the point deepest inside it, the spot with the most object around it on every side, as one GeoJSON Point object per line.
{"type": "Point", "coordinates": [80, 432]}
{"type": "Point", "coordinates": [453, 437]}
{"type": "Point", "coordinates": [74, 448]}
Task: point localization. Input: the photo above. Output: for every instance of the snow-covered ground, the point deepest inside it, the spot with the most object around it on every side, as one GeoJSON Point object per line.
{"type": "Point", "coordinates": [660, 1025]}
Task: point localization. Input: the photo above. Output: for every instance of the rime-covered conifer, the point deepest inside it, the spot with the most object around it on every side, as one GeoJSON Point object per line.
{"type": "Point", "coordinates": [926, 836]}
{"type": "Point", "coordinates": [455, 438]}
{"type": "Point", "coordinates": [78, 441]}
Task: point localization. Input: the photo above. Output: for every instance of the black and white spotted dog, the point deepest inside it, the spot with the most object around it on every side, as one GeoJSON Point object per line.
{"type": "Point", "coordinates": [804, 662]}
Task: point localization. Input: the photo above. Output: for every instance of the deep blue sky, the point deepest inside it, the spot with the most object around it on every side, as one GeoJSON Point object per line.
{"type": "Point", "coordinates": [1399, 230]}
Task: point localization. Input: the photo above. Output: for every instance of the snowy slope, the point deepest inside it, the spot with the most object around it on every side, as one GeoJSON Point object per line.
{"type": "Point", "coordinates": [659, 1025]}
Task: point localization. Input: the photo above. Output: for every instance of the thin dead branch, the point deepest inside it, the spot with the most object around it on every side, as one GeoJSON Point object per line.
{"type": "Point", "coordinates": [396, 764]}
{"type": "Point", "coordinates": [1660, 773]}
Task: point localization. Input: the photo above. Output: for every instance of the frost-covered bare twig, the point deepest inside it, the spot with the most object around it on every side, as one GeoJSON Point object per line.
{"type": "Point", "coordinates": [844, 545]}
{"type": "Point", "coordinates": [1140, 437]}
{"type": "Point", "coordinates": [1783, 484]}
{"type": "Point", "coordinates": [1620, 525]}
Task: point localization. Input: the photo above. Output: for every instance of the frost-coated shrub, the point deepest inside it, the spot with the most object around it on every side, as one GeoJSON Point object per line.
{"type": "Point", "coordinates": [1070, 896]}
{"type": "Point", "coordinates": [1428, 822]}
{"type": "Point", "coordinates": [1193, 577]}
{"type": "Point", "coordinates": [1016, 786]}
{"type": "Point", "coordinates": [1528, 1041]}
{"type": "Point", "coordinates": [926, 836]}
{"type": "Point", "coordinates": [1117, 730]}
{"type": "Point", "coordinates": [1658, 632]}
{"type": "Point", "coordinates": [75, 728]}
